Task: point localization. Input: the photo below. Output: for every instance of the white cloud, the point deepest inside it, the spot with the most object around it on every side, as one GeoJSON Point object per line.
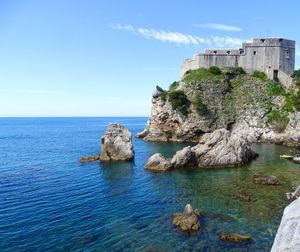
{"type": "Point", "coordinates": [220, 27]}
{"type": "Point", "coordinates": [181, 38]}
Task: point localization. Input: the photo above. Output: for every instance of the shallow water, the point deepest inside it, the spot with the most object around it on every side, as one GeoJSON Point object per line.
{"type": "Point", "coordinates": [49, 201]}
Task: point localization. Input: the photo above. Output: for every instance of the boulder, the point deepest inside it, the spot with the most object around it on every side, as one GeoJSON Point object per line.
{"type": "Point", "coordinates": [184, 158]}
{"type": "Point", "coordinates": [157, 163]}
{"type": "Point", "coordinates": [236, 238]}
{"type": "Point", "coordinates": [188, 220]}
{"type": "Point", "coordinates": [222, 148]}
{"type": "Point", "coordinates": [266, 180]}
{"type": "Point", "coordinates": [288, 234]}
{"type": "Point", "coordinates": [116, 144]}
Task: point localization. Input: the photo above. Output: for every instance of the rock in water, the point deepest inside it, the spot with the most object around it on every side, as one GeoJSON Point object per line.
{"type": "Point", "coordinates": [296, 159]}
{"type": "Point", "coordinates": [188, 220]}
{"type": "Point", "coordinates": [116, 144]}
{"type": "Point", "coordinates": [222, 148]}
{"type": "Point", "coordinates": [86, 159]}
{"type": "Point", "coordinates": [237, 238]}
{"type": "Point", "coordinates": [266, 180]}
{"type": "Point", "coordinates": [288, 234]}
{"type": "Point", "coordinates": [184, 158]}
{"type": "Point", "coordinates": [157, 163]}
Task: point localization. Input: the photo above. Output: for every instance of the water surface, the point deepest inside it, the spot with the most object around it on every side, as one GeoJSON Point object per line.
{"type": "Point", "coordinates": [51, 202]}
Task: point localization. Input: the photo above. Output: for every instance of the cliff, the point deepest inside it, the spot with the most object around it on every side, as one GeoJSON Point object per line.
{"type": "Point", "coordinates": [209, 99]}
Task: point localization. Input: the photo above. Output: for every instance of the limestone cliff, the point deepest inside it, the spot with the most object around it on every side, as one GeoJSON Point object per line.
{"type": "Point", "coordinates": [209, 99]}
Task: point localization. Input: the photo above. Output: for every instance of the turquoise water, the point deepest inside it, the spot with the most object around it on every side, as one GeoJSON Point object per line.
{"type": "Point", "coordinates": [51, 202]}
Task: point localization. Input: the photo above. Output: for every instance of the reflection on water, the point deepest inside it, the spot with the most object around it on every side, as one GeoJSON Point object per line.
{"type": "Point", "coordinates": [49, 201]}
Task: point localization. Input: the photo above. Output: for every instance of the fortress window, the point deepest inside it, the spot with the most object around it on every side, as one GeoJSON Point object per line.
{"type": "Point", "coordinates": [241, 51]}
{"type": "Point", "coordinates": [287, 54]}
{"type": "Point", "coordinates": [262, 40]}
{"type": "Point", "coordinates": [228, 52]}
{"type": "Point", "coordinates": [254, 53]}
{"type": "Point", "coordinates": [214, 52]}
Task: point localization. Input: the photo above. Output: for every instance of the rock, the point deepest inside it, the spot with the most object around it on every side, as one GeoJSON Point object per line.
{"type": "Point", "coordinates": [188, 220]}
{"type": "Point", "coordinates": [89, 159]}
{"type": "Point", "coordinates": [288, 234]}
{"type": "Point", "coordinates": [157, 163]}
{"type": "Point", "coordinates": [116, 144]}
{"type": "Point", "coordinates": [243, 196]}
{"type": "Point", "coordinates": [222, 148]}
{"type": "Point", "coordinates": [266, 180]}
{"type": "Point", "coordinates": [184, 158]}
{"type": "Point", "coordinates": [296, 159]}
{"type": "Point", "coordinates": [236, 238]}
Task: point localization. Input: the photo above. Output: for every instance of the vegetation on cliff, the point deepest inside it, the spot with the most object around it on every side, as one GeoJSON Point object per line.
{"type": "Point", "coordinates": [223, 95]}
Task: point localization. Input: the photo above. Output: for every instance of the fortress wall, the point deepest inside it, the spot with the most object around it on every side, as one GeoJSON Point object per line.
{"type": "Point", "coordinates": [218, 60]}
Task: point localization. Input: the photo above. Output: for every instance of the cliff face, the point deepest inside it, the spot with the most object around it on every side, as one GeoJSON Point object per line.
{"type": "Point", "coordinates": [204, 101]}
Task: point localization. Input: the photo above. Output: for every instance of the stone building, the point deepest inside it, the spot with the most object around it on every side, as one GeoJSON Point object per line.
{"type": "Point", "coordinates": [274, 56]}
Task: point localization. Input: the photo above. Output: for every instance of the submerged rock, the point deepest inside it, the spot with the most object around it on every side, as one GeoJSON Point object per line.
{"type": "Point", "coordinates": [266, 180]}
{"type": "Point", "coordinates": [237, 238]}
{"type": "Point", "coordinates": [288, 234]}
{"type": "Point", "coordinates": [116, 144]}
{"type": "Point", "coordinates": [157, 163]}
{"type": "Point", "coordinates": [86, 159]}
{"type": "Point", "coordinates": [188, 220]}
{"type": "Point", "coordinates": [296, 159]}
{"type": "Point", "coordinates": [243, 196]}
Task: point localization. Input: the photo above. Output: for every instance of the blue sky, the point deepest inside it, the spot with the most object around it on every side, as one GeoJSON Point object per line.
{"type": "Point", "coordinates": [104, 58]}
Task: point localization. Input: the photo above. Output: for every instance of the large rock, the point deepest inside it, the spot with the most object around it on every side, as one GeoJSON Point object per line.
{"type": "Point", "coordinates": [184, 158]}
{"type": "Point", "coordinates": [236, 238]}
{"type": "Point", "coordinates": [288, 234]}
{"type": "Point", "coordinates": [157, 163]}
{"type": "Point", "coordinates": [116, 144]}
{"type": "Point", "coordinates": [222, 148]}
{"type": "Point", "coordinates": [188, 220]}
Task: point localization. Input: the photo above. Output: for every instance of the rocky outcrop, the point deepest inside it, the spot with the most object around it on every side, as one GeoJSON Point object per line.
{"type": "Point", "coordinates": [228, 108]}
{"type": "Point", "coordinates": [266, 180]}
{"type": "Point", "coordinates": [236, 238]}
{"type": "Point", "coordinates": [217, 149]}
{"type": "Point", "coordinates": [288, 234]}
{"type": "Point", "coordinates": [188, 220]}
{"type": "Point", "coordinates": [116, 144]}
{"type": "Point", "coordinates": [157, 163]}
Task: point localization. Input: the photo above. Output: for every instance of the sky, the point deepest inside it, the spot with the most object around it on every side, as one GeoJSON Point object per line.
{"type": "Point", "coordinates": [105, 58]}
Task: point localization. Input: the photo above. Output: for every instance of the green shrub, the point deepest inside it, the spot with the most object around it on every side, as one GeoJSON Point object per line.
{"type": "Point", "coordinates": [179, 101]}
{"type": "Point", "coordinates": [278, 119]}
{"type": "Point", "coordinates": [297, 81]}
{"type": "Point", "coordinates": [239, 71]}
{"type": "Point", "coordinates": [201, 108]}
{"type": "Point", "coordinates": [275, 88]}
{"type": "Point", "coordinates": [260, 75]}
{"type": "Point", "coordinates": [194, 76]}
{"type": "Point", "coordinates": [164, 95]}
{"type": "Point", "coordinates": [173, 86]}
{"type": "Point", "coordinates": [296, 74]}
{"type": "Point", "coordinates": [296, 101]}
{"type": "Point", "coordinates": [215, 70]}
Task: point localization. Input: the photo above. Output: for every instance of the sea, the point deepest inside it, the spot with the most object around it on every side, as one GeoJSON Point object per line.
{"type": "Point", "coordinates": [49, 201]}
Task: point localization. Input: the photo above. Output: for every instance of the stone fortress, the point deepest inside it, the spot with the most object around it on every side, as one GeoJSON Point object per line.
{"type": "Point", "coordinates": [274, 56]}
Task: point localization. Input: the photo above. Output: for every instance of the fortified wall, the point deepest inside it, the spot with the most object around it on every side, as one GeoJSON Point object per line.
{"type": "Point", "coordinates": [274, 56]}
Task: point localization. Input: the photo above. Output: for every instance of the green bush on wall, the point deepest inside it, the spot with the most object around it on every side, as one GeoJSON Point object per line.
{"type": "Point", "coordinates": [201, 108]}
{"type": "Point", "coordinates": [215, 70]}
{"type": "Point", "coordinates": [179, 101]}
